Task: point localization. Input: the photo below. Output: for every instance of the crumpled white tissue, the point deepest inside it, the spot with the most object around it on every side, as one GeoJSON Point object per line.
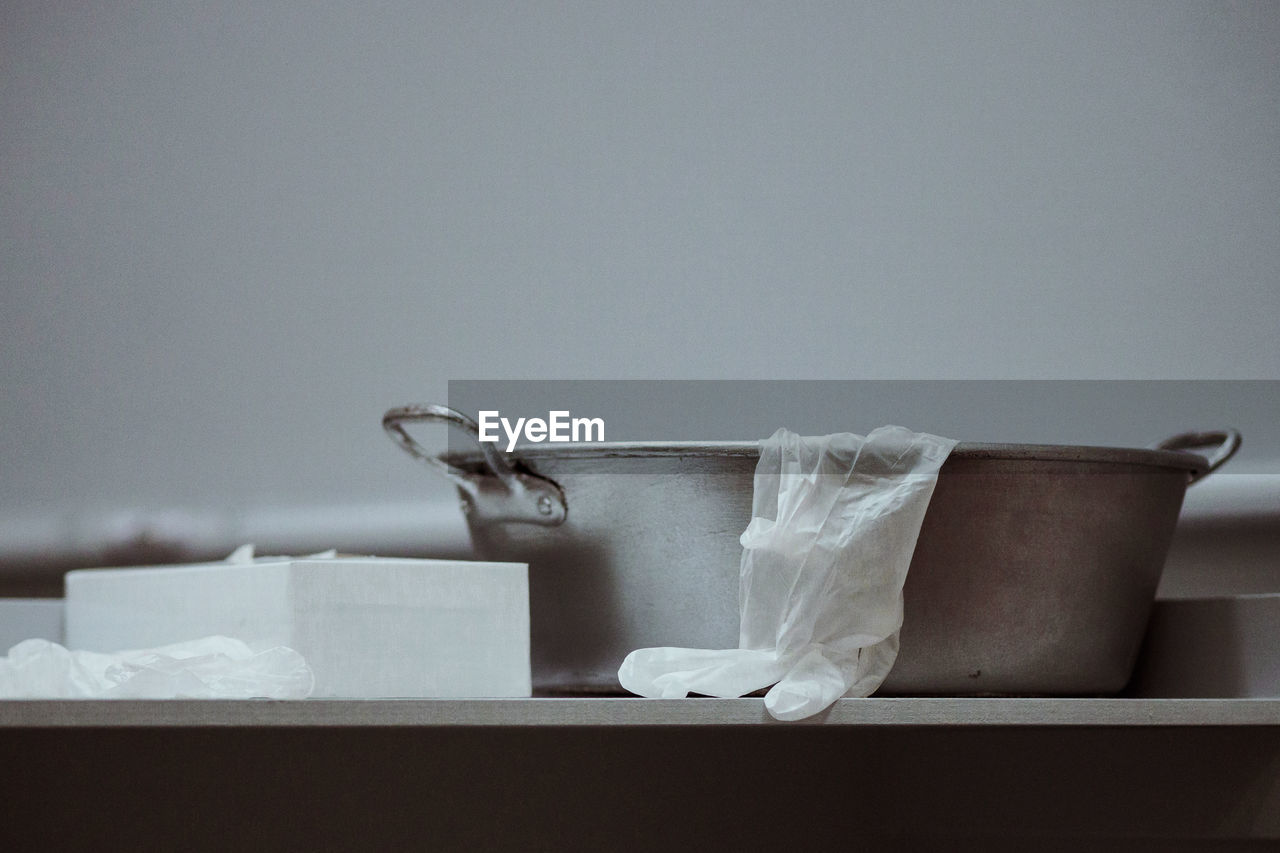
{"type": "Point", "coordinates": [245, 556]}
{"type": "Point", "coordinates": [834, 525]}
{"type": "Point", "coordinates": [209, 668]}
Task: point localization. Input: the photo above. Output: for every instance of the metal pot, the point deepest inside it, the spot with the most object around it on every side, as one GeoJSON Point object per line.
{"type": "Point", "coordinates": [1034, 573]}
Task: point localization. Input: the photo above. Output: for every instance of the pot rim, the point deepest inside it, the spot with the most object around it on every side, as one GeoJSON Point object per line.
{"type": "Point", "coordinates": [1192, 463]}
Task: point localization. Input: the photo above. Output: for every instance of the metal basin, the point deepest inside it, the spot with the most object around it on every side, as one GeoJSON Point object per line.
{"type": "Point", "coordinates": [1034, 573]}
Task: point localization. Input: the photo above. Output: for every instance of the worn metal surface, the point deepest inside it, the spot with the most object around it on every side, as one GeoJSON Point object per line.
{"type": "Point", "coordinates": [1034, 573]}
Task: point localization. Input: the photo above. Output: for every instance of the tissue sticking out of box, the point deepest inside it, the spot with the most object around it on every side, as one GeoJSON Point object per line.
{"type": "Point", "coordinates": [208, 668]}
{"type": "Point", "coordinates": [244, 556]}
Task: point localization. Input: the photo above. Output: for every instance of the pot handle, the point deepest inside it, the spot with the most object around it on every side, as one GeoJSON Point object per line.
{"type": "Point", "coordinates": [1227, 441]}
{"type": "Point", "coordinates": [502, 494]}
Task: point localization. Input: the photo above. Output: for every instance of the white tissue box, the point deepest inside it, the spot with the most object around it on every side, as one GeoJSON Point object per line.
{"type": "Point", "coordinates": [368, 627]}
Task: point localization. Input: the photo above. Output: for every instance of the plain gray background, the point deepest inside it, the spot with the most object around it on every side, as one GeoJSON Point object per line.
{"type": "Point", "coordinates": [233, 233]}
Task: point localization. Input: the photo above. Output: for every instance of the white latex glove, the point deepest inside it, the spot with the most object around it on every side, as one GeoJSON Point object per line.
{"type": "Point", "coordinates": [834, 525]}
{"type": "Point", "coordinates": [209, 668]}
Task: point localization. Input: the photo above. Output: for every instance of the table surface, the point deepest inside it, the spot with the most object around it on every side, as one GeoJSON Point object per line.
{"type": "Point", "coordinates": [930, 712]}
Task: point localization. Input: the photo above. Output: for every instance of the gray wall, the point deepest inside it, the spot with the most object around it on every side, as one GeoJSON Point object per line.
{"type": "Point", "coordinates": [232, 233]}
